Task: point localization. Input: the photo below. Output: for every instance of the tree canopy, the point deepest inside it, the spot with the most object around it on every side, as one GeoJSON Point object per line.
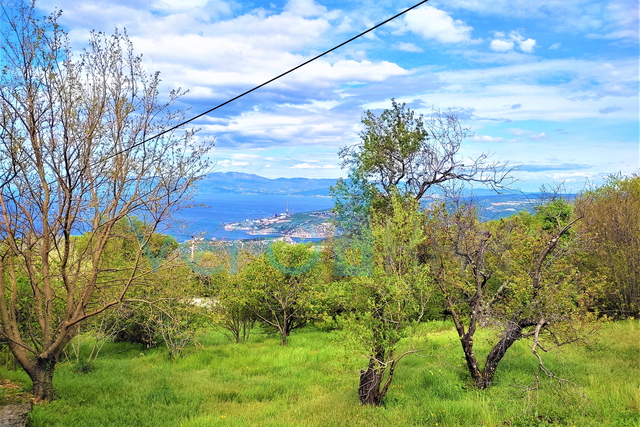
{"type": "Point", "coordinates": [401, 151]}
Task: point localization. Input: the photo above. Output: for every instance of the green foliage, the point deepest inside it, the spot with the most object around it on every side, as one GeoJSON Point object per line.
{"type": "Point", "coordinates": [287, 297]}
{"type": "Point", "coordinates": [382, 308]}
{"type": "Point", "coordinates": [390, 144]}
{"type": "Point", "coordinates": [517, 275]}
{"type": "Point", "coordinates": [554, 214]}
{"type": "Point", "coordinates": [400, 151]}
{"type": "Point", "coordinates": [352, 204]}
{"type": "Point", "coordinates": [231, 311]}
{"type": "Point", "coordinates": [135, 324]}
{"type": "Point", "coordinates": [162, 311]}
{"type": "Point", "coordinates": [611, 248]}
{"type": "Point", "coordinates": [83, 366]}
{"type": "Point", "coordinates": [169, 320]}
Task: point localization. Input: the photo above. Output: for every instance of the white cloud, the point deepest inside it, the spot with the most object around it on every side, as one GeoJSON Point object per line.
{"type": "Point", "coordinates": [228, 163]}
{"type": "Point", "coordinates": [289, 127]}
{"type": "Point", "coordinates": [487, 138]}
{"type": "Point", "coordinates": [178, 5]}
{"type": "Point", "coordinates": [408, 47]}
{"type": "Point", "coordinates": [613, 19]}
{"type": "Point", "coordinates": [501, 45]}
{"type": "Point", "coordinates": [538, 136]}
{"type": "Point", "coordinates": [308, 166]}
{"type": "Point", "coordinates": [346, 26]}
{"type": "Point", "coordinates": [305, 8]}
{"type": "Point", "coordinates": [436, 24]}
{"type": "Point", "coordinates": [527, 45]}
{"type": "Point", "coordinates": [583, 88]}
{"type": "Point", "coordinates": [555, 46]}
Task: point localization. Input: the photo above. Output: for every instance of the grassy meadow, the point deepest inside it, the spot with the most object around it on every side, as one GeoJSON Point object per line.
{"type": "Point", "coordinates": [313, 382]}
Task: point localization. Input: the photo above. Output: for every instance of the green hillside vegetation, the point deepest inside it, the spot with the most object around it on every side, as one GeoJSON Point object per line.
{"type": "Point", "coordinates": [284, 341]}
{"type": "Point", "coordinates": [313, 382]}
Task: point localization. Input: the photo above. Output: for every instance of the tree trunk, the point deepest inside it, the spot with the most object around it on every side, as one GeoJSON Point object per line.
{"type": "Point", "coordinates": [41, 374]}
{"type": "Point", "coordinates": [369, 389]}
{"type": "Point", "coordinates": [483, 378]}
{"type": "Point", "coordinates": [472, 363]}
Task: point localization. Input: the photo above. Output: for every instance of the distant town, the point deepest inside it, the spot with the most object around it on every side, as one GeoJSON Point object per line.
{"type": "Point", "coordinates": [307, 225]}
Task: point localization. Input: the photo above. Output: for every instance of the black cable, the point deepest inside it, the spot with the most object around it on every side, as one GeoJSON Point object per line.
{"type": "Point", "coordinates": [269, 81]}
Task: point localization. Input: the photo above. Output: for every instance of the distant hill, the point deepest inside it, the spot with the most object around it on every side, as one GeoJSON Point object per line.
{"type": "Point", "coordinates": [246, 183]}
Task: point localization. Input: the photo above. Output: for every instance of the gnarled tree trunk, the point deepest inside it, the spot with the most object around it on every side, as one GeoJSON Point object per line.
{"type": "Point", "coordinates": [41, 374]}
{"type": "Point", "coordinates": [483, 377]}
{"type": "Point", "coordinates": [370, 380]}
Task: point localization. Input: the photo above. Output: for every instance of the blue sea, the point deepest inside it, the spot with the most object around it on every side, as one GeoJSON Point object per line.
{"type": "Point", "coordinates": [212, 210]}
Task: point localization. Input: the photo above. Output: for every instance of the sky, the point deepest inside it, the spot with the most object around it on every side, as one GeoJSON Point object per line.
{"type": "Point", "coordinates": [549, 86]}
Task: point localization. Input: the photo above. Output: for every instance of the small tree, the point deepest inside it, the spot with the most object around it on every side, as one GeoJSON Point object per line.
{"type": "Point", "coordinates": [288, 297]}
{"type": "Point", "coordinates": [513, 275]}
{"type": "Point", "coordinates": [73, 161]}
{"type": "Point", "coordinates": [231, 310]}
{"type": "Point", "coordinates": [382, 308]}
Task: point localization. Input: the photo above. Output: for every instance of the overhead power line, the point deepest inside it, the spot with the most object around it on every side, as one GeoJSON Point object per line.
{"type": "Point", "coordinates": [273, 79]}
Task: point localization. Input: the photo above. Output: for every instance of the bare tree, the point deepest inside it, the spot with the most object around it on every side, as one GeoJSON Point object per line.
{"type": "Point", "coordinates": [72, 165]}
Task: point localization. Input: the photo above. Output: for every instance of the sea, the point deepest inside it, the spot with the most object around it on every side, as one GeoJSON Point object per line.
{"type": "Point", "coordinates": [210, 211]}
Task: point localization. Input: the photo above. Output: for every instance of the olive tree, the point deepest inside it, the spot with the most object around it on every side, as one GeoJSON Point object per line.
{"type": "Point", "coordinates": [284, 287]}
{"type": "Point", "coordinates": [515, 276]}
{"type": "Point", "coordinates": [76, 158]}
{"type": "Point", "coordinates": [401, 159]}
{"type": "Point", "coordinates": [382, 307]}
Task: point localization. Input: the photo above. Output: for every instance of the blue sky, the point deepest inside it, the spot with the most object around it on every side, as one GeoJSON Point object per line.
{"type": "Point", "coordinates": [550, 86]}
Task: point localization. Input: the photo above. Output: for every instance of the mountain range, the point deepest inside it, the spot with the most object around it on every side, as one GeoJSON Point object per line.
{"type": "Point", "coordinates": [250, 184]}
{"type": "Point", "coordinates": [246, 183]}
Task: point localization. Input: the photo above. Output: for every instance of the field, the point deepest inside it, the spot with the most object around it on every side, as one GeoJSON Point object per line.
{"type": "Point", "coordinates": [313, 382]}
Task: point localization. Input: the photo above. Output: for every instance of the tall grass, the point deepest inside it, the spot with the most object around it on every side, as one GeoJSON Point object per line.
{"type": "Point", "coordinates": [313, 382]}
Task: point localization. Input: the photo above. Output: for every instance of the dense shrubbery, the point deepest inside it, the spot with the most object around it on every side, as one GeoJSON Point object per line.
{"type": "Point", "coordinates": [611, 246]}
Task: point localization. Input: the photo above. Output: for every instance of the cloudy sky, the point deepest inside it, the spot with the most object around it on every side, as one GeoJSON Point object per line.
{"type": "Point", "coordinates": [550, 85]}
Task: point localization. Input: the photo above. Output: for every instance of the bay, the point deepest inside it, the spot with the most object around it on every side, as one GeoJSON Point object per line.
{"type": "Point", "coordinates": [211, 211]}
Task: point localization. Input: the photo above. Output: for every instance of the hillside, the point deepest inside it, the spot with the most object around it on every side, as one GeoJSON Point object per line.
{"type": "Point", "coordinates": [250, 184]}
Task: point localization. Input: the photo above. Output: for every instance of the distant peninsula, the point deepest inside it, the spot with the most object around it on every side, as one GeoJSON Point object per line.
{"type": "Point", "coordinates": [306, 225]}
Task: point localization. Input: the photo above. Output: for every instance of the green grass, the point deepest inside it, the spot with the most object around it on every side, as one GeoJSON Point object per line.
{"type": "Point", "coordinates": [313, 382]}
